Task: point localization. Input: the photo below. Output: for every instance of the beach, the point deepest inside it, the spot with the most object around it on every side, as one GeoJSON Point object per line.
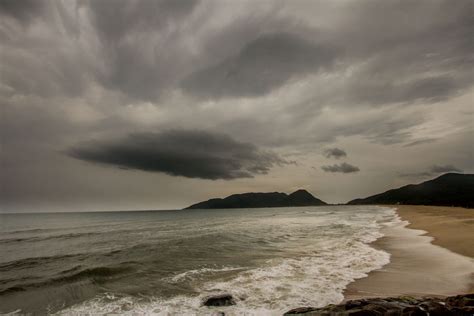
{"type": "Point", "coordinates": [431, 254]}
{"type": "Point", "coordinates": [451, 227]}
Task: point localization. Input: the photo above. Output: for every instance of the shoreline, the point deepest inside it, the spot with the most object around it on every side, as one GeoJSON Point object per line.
{"type": "Point", "coordinates": [430, 255]}
{"type": "Point", "coordinates": [450, 227]}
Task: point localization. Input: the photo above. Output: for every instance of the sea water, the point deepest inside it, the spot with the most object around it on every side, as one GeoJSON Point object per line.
{"type": "Point", "coordinates": [166, 262]}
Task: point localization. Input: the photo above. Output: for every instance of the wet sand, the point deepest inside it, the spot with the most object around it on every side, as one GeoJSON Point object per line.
{"type": "Point", "coordinates": [451, 227]}
{"type": "Point", "coordinates": [432, 253]}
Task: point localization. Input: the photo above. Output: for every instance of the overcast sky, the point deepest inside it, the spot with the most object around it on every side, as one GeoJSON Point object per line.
{"type": "Point", "coordinates": [118, 105]}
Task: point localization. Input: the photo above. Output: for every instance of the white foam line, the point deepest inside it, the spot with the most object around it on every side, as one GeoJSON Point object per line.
{"type": "Point", "coordinates": [196, 272]}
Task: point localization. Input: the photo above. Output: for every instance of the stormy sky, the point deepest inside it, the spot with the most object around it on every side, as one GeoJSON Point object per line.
{"type": "Point", "coordinates": [123, 104]}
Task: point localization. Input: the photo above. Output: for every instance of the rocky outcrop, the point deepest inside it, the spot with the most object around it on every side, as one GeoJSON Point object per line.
{"type": "Point", "coordinates": [461, 305]}
{"type": "Point", "coordinates": [219, 300]}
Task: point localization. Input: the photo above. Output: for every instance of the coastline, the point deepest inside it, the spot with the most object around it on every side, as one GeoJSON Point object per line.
{"type": "Point", "coordinates": [430, 255]}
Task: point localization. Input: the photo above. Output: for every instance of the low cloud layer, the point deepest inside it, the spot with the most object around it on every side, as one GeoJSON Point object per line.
{"type": "Point", "coordinates": [444, 168]}
{"type": "Point", "coordinates": [335, 153]}
{"type": "Point", "coordinates": [341, 168]}
{"type": "Point", "coordinates": [432, 171]}
{"type": "Point", "coordinates": [191, 154]}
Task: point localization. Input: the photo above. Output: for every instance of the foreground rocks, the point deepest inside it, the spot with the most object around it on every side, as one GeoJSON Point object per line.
{"type": "Point", "coordinates": [219, 300]}
{"type": "Point", "coordinates": [460, 305]}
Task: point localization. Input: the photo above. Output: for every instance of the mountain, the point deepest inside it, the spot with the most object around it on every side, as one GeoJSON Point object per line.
{"type": "Point", "coordinates": [253, 200]}
{"type": "Point", "coordinates": [450, 189]}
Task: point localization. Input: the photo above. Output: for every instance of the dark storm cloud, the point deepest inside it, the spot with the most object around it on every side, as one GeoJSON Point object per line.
{"type": "Point", "coordinates": [44, 59]}
{"type": "Point", "coordinates": [191, 154]}
{"type": "Point", "coordinates": [421, 142]}
{"type": "Point", "coordinates": [262, 65]}
{"type": "Point", "coordinates": [387, 127]}
{"type": "Point", "coordinates": [432, 171]}
{"type": "Point", "coordinates": [114, 19]}
{"type": "Point", "coordinates": [23, 10]}
{"type": "Point", "coordinates": [140, 49]}
{"type": "Point", "coordinates": [426, 58]}
{"type": "Point", "coordinates": [334, 153]}
{"type": "Point", "coordinates": [123, 46]}
{"type": "Point", "coordinates": [142, 59]}
{"type": "Point", "coordinates": [431, 89]}
{"type": "Point", "coordinates": [342, 168]}
{"type": "Point", "coordinates": [413, 51]}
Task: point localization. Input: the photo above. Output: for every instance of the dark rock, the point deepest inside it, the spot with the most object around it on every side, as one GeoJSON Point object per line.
{"type": "Point", "coordinates": [413, 311]}
{"type": "Point", "coordinates": [362, 312]}
{"type": "Point", "coordinates": [300, 310]}
{"type": "Point", "coordinates": [219, 300]}
{"type": "Point", "coordinates": [462, 305]}
{"type": "Point", "coordinates": [461, 300]}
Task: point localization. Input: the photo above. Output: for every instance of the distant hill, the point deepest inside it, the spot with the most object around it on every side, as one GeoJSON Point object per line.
{"type": "Point", "coordinates": [254, 200]}
{"type": "Point", "coordinates": [450, 189]}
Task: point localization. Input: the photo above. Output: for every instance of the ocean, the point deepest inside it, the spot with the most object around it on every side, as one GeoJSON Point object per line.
{"type": "Point", "coordinates": [165, 262]}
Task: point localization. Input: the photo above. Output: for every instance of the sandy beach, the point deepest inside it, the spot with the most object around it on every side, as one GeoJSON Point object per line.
{"type": "Point", "coordinates": [451, 227]}
{"type": "Point", "coordinates": [432, 253]}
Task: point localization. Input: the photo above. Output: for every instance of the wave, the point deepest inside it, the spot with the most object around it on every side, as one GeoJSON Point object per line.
{"type": "Point", "coordinates": [96, 274]}
{"type": "Point", "coordinates": [33, 230]}
{"type": "Point", "coordinates": [279, 285]}
{"type": "Point", "coordinates": [12, 289]}
{"type": "Point", "coordinates": [35, 261]}
{"type": "Point", "coordinates": [269, 290]}
{"type": "Point", "coordinates": [190, 274]}
{"type": "Point", "coordinates": [315, 259]}
{"type": "Point", "coordinates": [43, 238]}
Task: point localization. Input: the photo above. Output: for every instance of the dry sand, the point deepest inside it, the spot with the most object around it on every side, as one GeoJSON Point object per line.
{"type": "Point", "coordinates": [432, 255]}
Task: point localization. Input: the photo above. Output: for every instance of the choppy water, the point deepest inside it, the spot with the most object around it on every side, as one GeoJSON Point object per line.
{"type": "Point", "coordinates": [164, 263]}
